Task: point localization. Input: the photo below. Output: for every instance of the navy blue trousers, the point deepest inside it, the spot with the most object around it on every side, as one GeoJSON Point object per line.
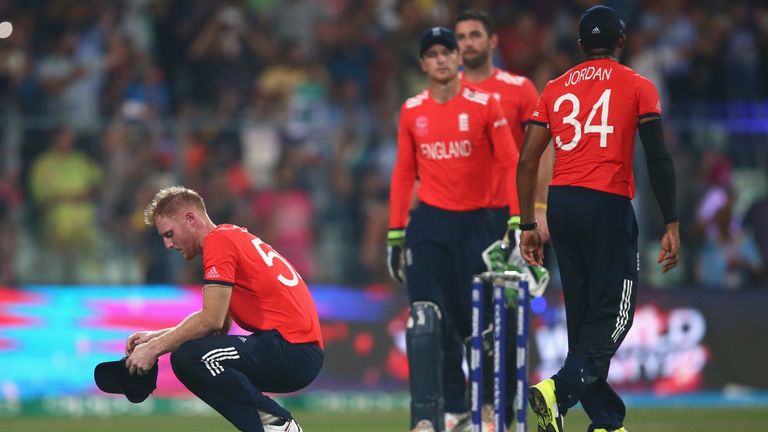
{"type": "Point", "coordinates": [230, 373]}
{"type": "Point", "coordinates": [595, 239]}
{"type": "Point", "coordinates": [443, 251]}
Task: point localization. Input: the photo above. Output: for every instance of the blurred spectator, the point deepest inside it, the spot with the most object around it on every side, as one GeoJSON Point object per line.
{"type": "Point", "coordinates": [10, 203]}
{"type": "Point", "coordinates": [756, 223]}
{"type": "Point", "coordinates": [62, 184]}
{"type": "Point", "coordinates": [283, 215]}
{"type": "Point", "coordinates": [728, 259]}
{"type": "Point", "coordinates": [297, 20]}
{"type": "Point", "coordinates": [225, 95]}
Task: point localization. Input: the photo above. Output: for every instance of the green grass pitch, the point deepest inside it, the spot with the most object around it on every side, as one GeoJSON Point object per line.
{"type": "Point", "coordinates": [638, 420]}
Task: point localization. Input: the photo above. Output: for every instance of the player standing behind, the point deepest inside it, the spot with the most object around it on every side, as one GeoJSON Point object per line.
{"type": "Point", "coordinates": [517, 95]}
{"type": "Point", "coordinates": [593, 112]}
{"type": "Point", "coordinates": [245, 280]}
{"type": "Point", "coordinates": [448, 136]}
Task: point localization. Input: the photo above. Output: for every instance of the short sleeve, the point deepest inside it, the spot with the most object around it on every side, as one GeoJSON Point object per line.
{"type": "Point", "coordinates": [540, 116]}
{"type": "Point", "coordinates": [528, 100]}
{"type": "Point", "coordinates": [649, 103]}
{"type": "Point", "coordinates": [219, 260]}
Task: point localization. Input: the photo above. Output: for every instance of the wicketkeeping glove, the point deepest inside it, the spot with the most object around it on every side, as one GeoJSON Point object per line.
{"type": "Point", "coordinates": [396, 254]}
{"type": "Point", "coordinates": [503, 255]}
{"type": "Point", "coordinates": [496, 256]}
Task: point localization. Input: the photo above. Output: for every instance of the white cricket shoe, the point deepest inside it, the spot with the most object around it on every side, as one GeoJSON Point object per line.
{"type": "Point", "coordinates": [458, 422]}
{"type": "Point", "coordinates": [289, 426]}
{"type": "Point", "coordinates": [423, 426]}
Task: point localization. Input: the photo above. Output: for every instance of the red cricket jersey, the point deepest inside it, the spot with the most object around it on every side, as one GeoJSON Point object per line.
{"type": "Point", "coordinates": [451, 147]}
{"type": "Point", "coordinates": [267, 291]}
{"type": "Point", "coordinates": [517, 96]}
{"type": "Point", "coordinates": [593, 112]}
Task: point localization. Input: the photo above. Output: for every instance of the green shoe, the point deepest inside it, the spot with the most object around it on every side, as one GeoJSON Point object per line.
{"type": "Point", "coordinates": [544, 404]}
{"type": "Point", "coordinates": [621, 429]}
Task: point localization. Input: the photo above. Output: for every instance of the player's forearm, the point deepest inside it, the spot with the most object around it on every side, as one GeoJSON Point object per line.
{"type": "Point", "coordinates": [544, 175]}
{"type": "Point", "coordinates": [400, 193]}
{"type": "Point", "coordinates": [536, 141]}
{"type": "Point", "coordinates": [527, 172]}
{"type": "Point", "coordinates": [194, 326]}
{"type": "Point", "coordinates": [227, 326]}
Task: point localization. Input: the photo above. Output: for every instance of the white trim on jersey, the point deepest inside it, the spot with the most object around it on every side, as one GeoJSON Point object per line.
{"type": "Point", "coordinates": [474, 96]}
{"type": "Point", "coordinates": [416, 100]}
{"type": "Point", "coordinates": [508, 78]}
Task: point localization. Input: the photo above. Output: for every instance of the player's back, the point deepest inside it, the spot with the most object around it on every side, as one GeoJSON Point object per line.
{"type": "Point", "coordinates": [593, 111]}
{"type": "Point", "coordinates": [267, 292]}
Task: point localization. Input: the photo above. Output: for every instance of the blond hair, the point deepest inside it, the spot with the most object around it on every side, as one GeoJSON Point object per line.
{"type": "Point", "coordinates": [170, 200]}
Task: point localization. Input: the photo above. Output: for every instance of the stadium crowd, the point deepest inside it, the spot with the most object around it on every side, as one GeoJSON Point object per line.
{"type": "Point", "coordinates": [282, 114]}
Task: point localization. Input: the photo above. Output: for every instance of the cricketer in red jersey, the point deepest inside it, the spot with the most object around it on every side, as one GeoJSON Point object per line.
{"type": "Point", "coordinates": [448, 137]}
{"type": "Point", "coordinates": [245, 280]}
{"type": "Point", "coordinates": [477, 41]}
{"type": "Point", "coordinates": [450, 145]}
{"type": "Point", "coordinates": [593, 112]}
{"type": "Point", "coordinates": [517, 95]}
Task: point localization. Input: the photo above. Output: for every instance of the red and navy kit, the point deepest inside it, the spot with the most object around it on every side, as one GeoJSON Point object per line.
{"type": "Point", "coordinates": [593, 112]}
{"type": "Point", "coordinates": [517, 96]}
{"type": "Point", "coordinates": [450, 148]}
{"type": "Point", "coordinates": [267, 291]}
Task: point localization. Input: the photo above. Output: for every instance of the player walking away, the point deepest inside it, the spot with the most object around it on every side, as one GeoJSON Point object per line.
{"type": "Point", "coordinates": [593, 112]}
{"type": "Point", "coordinates": [448, 135]}
{"type": "Point", "coordinates": [517, 95]}
{"type": "Point", "coordinates": [247, 281]}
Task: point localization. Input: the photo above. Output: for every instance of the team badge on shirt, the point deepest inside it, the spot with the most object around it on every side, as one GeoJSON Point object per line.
{"type": "Point", "coordinates": [463, 122]}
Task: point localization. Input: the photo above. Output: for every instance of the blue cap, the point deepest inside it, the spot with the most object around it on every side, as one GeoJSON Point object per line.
{"type": "Point", "coordinates": [600, 27]}
{"type": "Point", "coordinates": [113, 377]}
{"type": "Point", "coordinates": [437, 35]}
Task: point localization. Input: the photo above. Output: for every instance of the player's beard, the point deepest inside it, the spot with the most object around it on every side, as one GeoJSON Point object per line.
{"type": "Point", "coordinates": [477, 61]}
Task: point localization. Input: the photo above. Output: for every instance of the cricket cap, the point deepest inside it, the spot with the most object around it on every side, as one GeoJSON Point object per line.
{"type": "Point", "coordinates": [437, 35]}
{"type": "Point", "coordinates": [113, 377]}
{"type": "Point", "coordinates": [600, 27]}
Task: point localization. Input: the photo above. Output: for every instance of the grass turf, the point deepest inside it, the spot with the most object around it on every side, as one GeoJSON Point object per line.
{"type": "Point", "coordinates": [638, 420]}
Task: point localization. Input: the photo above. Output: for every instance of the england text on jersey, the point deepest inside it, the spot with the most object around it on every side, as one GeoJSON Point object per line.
{"type": "Point", "coordinates": [450, 148]}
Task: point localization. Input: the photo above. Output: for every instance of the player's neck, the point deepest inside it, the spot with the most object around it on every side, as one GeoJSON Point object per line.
{"type": "Point", "coordinates": [479, 74]}
{"type": "Point", "coordinates": [443, 92]}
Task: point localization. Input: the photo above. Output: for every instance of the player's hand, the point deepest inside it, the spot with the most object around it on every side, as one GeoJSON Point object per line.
{"type": "Point", "coordinates": [531, 247]}
{"type": "Point", "coordinates": [395, 254]}
{"type": "Point", "coordinates": [541, 220]}
{"type": "Point", "coordinates": [670, 248]}
{"type": "Point", "coordinates": [141, 360]}
{"type": "Point", "coordinates": [136, 339]}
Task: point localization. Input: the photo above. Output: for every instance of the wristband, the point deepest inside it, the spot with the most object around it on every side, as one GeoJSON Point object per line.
{"type": "Point", "coordinates": [528, 226]}
{"type": "Point", "coordinates": [395, 237]}
{"type": "Point", "coordinates": [540, 205]}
